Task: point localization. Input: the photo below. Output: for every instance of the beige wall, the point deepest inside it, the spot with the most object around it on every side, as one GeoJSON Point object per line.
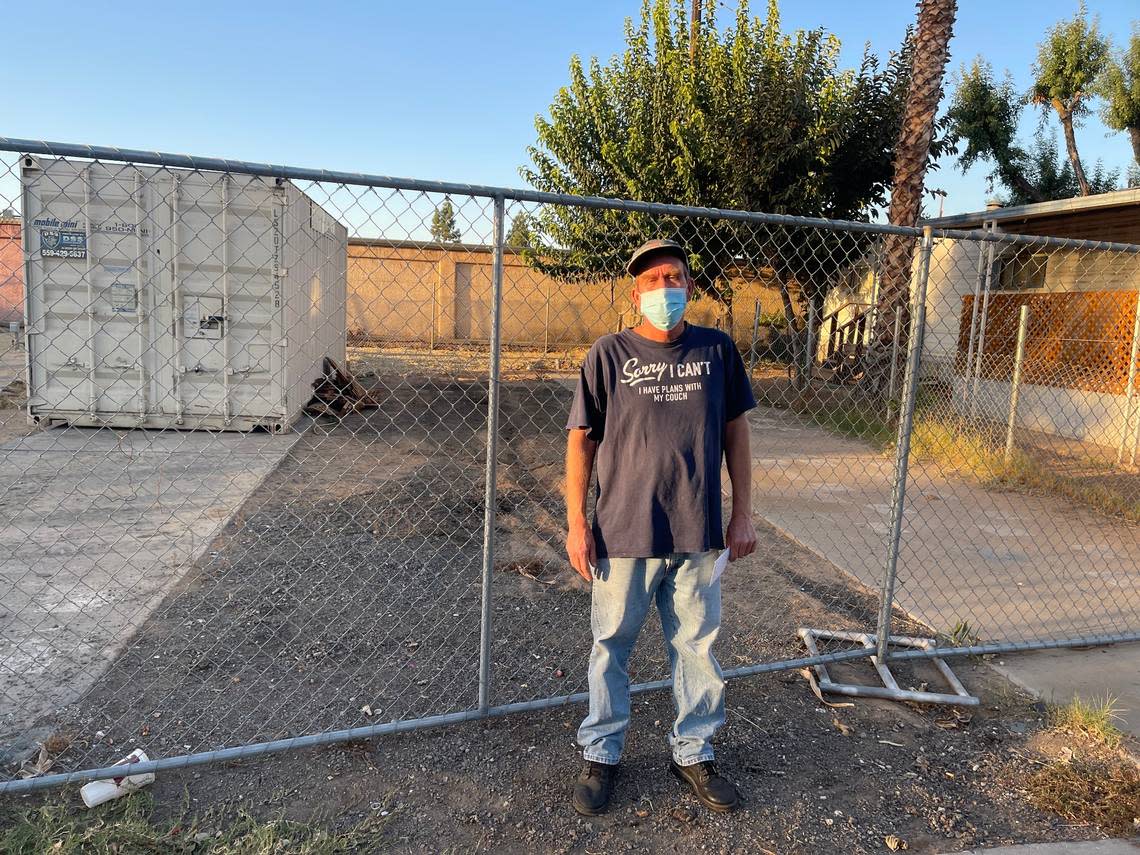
{"type": "Point", "coordinates": [390, 291]}
{"type": "Point", "coordinates": [434, 295]}
{"type": "Point", "coordinates": [1070, 270]}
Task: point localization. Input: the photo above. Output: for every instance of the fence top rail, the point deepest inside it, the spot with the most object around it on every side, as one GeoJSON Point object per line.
{"type": "Point", "coordinates": [294, 173]}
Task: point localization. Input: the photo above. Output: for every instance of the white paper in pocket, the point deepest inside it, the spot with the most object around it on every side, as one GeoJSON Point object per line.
{"type": "Point", "coordinates": [718, 567]}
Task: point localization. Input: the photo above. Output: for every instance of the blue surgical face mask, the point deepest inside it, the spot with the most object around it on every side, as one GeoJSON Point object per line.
{"type": "Point", "coordinates": [664, 307]}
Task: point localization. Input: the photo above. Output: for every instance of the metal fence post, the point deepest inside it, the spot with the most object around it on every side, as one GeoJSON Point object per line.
{"type": "Point", "coordinates": [1015, 386]}
{"type": "Point", "coordinates": [972, 380]}
{"type": "Point", "coordinates": [546, 323]}
{"type": "Point", "coordinates": [435, 289]}
{"type": "Point", "coordinates": [1130, 393]}
{"type": "Point", "coordinates": [755, 332]}
{"type": "Point", "coordinates": [902, 446]}
{"type": "Point", "coordinates": [983, 252]}
{"type": "Point", "coordinates": [492, 458]}
{"type": "Point", "coordinates": [809, 356]}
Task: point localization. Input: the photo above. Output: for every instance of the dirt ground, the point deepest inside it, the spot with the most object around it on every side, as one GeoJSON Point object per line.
{"type": "Point", "coordinates": [937, 781]}
{"type": "Point", "coordinates": [1086, 464]}
{"type": "Point", "coordinates": [347, 592]}
{"type": "Point", "coordinates": [347, 589]}
{"type": "Point", "coordinates": [13, 389]}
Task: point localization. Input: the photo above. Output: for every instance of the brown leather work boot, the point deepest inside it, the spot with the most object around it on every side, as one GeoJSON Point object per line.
{"type": "Point", "coordinates": [713, 790]}
{"type": "Point", "coordinates": [593, 788]}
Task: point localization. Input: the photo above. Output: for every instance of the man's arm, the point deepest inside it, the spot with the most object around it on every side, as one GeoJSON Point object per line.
{"type": "Point", "coordinates": [741, 536]}
{"type": "Point", "coordinates": [579, 464]}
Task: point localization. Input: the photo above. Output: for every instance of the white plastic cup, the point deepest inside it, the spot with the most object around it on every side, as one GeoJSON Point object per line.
{"type": "Point", "coordinates": [97, 792]}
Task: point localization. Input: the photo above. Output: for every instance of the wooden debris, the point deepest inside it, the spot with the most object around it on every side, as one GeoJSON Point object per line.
{"type": "Point", "coordinates": [953, 720]}
{"type": "Point", "coordinates": [34, 768]}
{"type": "Point", "coordinates": [529, 569]}
{"type": "Point", "coordinates": [338, 393]}
{"type": "Point", "coordinates": [809, 675]}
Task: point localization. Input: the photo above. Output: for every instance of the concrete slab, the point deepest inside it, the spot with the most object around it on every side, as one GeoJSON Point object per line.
{"type": "Point", "coordinates": [779, 435]}
{"type": "Point", "coordinates": [1016, 567]}
{"type": "Point", "coordinates": [95, 528]}
{"type": "Point", "coordinates": [1057, 676]}
{"type": "Point", "coordinates": [1090, 847]}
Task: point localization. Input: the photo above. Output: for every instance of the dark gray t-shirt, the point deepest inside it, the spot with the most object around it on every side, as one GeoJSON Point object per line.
{"type": "Point", "coordinates": [658, 413]}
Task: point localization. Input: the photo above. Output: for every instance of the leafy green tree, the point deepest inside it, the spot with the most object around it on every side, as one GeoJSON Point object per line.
{"type": "Point", "coordinates": [984, 115]}
{"type": "Point", "coordinates": [1070, 61]}
{"type": "Point", "coordinates": [521, 234]}
{"type": "Point", "coordinates": [764, 121]}
{"type": "Point", "coordinates": [1120, 90]}
{"type": "Point", "coordinates": [1051, 175]}
{"type": "Point", "coordinates": [443, 225]}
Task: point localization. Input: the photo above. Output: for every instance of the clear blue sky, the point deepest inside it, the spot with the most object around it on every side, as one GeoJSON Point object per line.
{"type": "Point", "coordinates": [437, 89]}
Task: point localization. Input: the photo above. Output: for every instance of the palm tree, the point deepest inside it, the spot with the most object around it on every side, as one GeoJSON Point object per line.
{"type": "Point", "coordinates": [931, 52]}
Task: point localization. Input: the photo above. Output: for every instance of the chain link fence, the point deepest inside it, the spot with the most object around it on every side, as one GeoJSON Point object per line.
{"type": "Point", "coordinates": [1026, 418]}
{"type": "Point", "coordinates": [289, 466]}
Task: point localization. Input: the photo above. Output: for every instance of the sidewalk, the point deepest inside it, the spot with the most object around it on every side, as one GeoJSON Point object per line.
{"type": "Point", "coordinates": [1092, 847]}
{"type": "Point", "coordinates": [95, 527]}
{"type": "Point", "coordinates": [1015, 567]}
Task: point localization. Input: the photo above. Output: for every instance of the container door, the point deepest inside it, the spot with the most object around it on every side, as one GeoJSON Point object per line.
{"type": "Point", "coordinates": [224, 246]}
{"type": "Point", "coordinates": [164, 311]}
{"type": "Point", "coordinates": [90, 270]}
{"type": "Point", "coordinates": [196, 310]}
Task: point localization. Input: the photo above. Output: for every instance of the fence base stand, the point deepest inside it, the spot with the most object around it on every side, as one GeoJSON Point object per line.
{"type": "Point", "coordinates": [890, 688]}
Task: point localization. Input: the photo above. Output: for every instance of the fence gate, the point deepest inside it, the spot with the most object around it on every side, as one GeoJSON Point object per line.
{"type": "Point", "coordinates": [294, 469]}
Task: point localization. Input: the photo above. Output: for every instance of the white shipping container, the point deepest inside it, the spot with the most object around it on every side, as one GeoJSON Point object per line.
{"type": "Point", "coordinates": [166, 298]}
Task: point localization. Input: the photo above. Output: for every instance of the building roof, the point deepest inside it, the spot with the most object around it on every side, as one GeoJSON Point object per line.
{"type": "Point", "coordinates": [1040, 210]}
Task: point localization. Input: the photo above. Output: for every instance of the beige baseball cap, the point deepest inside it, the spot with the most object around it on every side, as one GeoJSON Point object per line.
{"type": "Point", "coordinates": [657, 246]}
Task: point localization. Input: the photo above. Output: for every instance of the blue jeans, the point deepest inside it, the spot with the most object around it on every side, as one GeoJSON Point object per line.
{"type": "Point", "coordinates": [689, 605]}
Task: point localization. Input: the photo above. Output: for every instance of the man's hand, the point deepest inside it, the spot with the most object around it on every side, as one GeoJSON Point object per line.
{"type": "Point", "coordinates": [580, 451]}
{"type": "Point", "coordinates": [741, 537]}
{"type": "Point", "coordinates": [580, 548]}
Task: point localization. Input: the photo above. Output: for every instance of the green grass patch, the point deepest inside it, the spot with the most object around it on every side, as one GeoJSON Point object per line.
{"type": "Point", "coordinates": [963, 451]}
{"type": "Point", "coordinates": [855, 421]}
{"type": "Point", "coordinates": [1094, 718]}
{"type": "Point", "coordinates": [1030, 476]}
{"type": "Point", "coordinates": [959, 635]}
{"type": "Point", "coordinates": [776, 320]}
{"type": "Point", "coordinates": [125, 827]}
{"type": "Point", "coordinates": [1101, 787]}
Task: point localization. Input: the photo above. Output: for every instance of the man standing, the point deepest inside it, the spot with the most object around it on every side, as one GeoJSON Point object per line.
{"type": "Point", "coordinates": [657, 407]}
